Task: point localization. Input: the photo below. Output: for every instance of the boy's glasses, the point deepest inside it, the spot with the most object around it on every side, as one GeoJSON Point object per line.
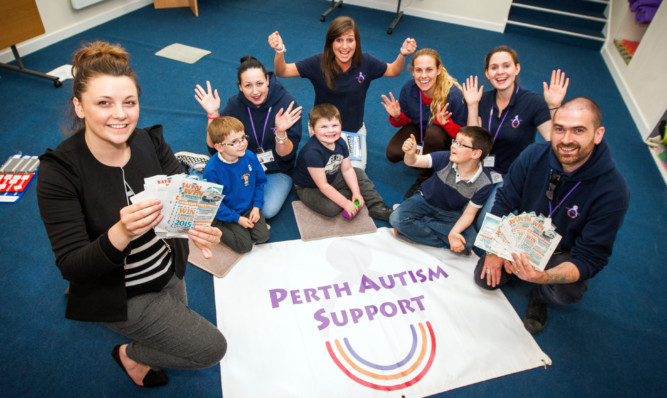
{"type": "Point", "coordinates": [236, 143]}
{"type": "Point", "coordinates": [459, 144]}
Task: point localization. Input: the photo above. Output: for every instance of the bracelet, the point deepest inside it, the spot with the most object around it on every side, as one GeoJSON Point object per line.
{"type": "Point", "coordinates": [281, 140]}
{"type": "Point", "coordinates": [283, 50]}
{"type": "Point", "coordinates": [217, 115]}
{"type": "Point", "coordinates": [553, 109]}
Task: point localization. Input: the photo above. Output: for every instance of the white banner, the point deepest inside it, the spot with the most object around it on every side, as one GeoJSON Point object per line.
{"type": "Point", "coordinates": [363, 316]}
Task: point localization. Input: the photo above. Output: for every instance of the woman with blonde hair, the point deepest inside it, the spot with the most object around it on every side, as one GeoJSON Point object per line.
{"type": "Point", "coordinates": [120, 273]}
{"type": "Point", "coordinates": [430, 106]}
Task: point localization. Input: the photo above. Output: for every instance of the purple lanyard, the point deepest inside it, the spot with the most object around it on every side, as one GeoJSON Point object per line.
{"type": "Point", "coordinates": [259, 144]}
{"type": "Point", "coordinates": [502, 121]}
{"type": "Point", "coordinates": [551, 211]}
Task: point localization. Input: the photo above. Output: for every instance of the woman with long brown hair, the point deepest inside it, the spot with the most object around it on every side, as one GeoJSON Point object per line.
{"type": "Point", "coordinates": [341, 74]}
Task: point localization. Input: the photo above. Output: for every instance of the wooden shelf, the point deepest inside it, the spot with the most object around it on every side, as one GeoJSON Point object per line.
{"type": "Point", "coordinates": [177, 3]}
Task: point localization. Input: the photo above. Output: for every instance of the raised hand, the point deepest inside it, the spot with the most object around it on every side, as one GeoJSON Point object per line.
{"type": "Point", "coordinates": [410, 145]}
{"type": "Point", "coordinates": [276, 42]}
{"type": "Point", "coordinates": [287, 118]}
{"type": "Point", "coordinates": [392, 106]}
{"type": "Point", "coordinates": [471, 92]}
{"type": "Point", "coordinates": [442, 115]}
{"type": "Point", "coordinates": [409, 46]}
{"type": "Point", "coordinates": [209, 99]}
{"type": "Point", "coordinates": [554, 93]}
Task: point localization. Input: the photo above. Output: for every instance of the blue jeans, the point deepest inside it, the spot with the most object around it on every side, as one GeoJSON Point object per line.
{"type": "Point", "coordinates": [488, 205]}
{"type": "Point", "coordinates": [276, 190]}
{"type": "Point", "coordinates": [424, 223]}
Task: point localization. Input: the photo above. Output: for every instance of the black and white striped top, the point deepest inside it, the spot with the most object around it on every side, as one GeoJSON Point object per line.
{"type": "Point", "coordinates": [149, 266]}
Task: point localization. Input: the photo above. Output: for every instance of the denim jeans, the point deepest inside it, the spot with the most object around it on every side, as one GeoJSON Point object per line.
{"type": "Point", "coordinates": [427, 224]}
{"type": "Point", "coordinates": [276, 190]}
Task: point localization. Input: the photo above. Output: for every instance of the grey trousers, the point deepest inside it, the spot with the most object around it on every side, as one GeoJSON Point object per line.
{"type": "Point", "coordinates": [168, 334]}
{"type": "Point", "coordinates": [315, 199]}
{"type": "Point", "coordinates": [239, 238]}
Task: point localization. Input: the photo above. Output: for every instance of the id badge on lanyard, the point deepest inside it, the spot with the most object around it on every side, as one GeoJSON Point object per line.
{"type": "Point", "coordinates": [265, 157]}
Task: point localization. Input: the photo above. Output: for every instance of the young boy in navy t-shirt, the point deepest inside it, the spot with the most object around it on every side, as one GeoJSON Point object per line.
{"type": "Point", "coordinates": [324, 178]}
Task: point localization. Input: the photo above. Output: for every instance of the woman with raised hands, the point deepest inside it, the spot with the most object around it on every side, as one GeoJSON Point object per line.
{"type": "Point", "coordinates": [342, 73]}
{"type": "Point", "coordinates": [430, 107]}
{"type": "Point", "coordinates": [269, 115]}
{"type": "Point", "coordinates": [512, 114]}
{"type": "Point", "coordinates": [120, 272]}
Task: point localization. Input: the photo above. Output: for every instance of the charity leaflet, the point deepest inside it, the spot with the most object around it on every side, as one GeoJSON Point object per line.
{"type": "Point", "coordinates": [524, 233]}
{"type": "Point", "coordinates": [186, 202]}
{"type": "Point", "coordinates": [354, 144]}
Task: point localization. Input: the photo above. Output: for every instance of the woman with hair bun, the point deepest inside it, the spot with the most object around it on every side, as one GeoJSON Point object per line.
{"type": "Point", "coordinates": [119, 272]}
{"type": "Point", "coordinates": [270, 115]}
{"type": "Point", "coordinates": [341, 74]}
{"type": "Point", "coordinates": [430, 107]}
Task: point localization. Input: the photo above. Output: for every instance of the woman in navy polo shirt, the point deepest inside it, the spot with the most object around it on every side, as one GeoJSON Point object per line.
{"type": "Point", "coordinates": [342, 74]}
{"type": "Point", "coordinates": [509, 112]}
{"type": "Point", "coordinates": [430, 107]}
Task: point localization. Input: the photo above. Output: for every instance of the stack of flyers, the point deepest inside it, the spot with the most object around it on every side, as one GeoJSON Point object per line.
{"type": "Point", "coordinates": [354, 144]}
{"type": "Point", "coordinates": [186, 202]}
{"type": "Point", "coordinates": [526, 233]}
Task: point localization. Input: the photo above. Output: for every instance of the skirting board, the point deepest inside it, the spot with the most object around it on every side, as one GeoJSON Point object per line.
{"type": "Point", "coordinates": [435, 16]}
{"type": "Point", "coordinates": [49, 38]}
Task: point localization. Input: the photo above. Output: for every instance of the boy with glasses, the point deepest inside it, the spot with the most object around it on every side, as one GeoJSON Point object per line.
{"type": "Point", "coordinates": [239, 171]}
{"type": "Point", "coordinates": [444, 207]}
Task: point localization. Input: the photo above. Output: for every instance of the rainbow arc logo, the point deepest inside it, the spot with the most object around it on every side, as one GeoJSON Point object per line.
{"type": "Point", "coordinates": [402, 374]}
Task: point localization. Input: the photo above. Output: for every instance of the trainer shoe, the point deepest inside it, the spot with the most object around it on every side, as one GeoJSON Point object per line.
{"type": "Point", "coordinates": [535, 318]}
{"type": "Point", "coordinates": [380, 212]}
{"type": "Point", "coordinates": [190, 160]}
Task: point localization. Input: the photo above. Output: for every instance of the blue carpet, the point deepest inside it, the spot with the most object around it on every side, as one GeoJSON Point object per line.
{"type": "Point", "coordinates": [611, 344]}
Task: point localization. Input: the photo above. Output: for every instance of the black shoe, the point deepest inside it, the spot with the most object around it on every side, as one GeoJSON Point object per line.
{"type": "Point", "coordinates": [154, 378]}
{"type": "Point", "coordinates": [535, 318]}
{"type": "Point", "coordinates": [413, 188]}
{"type": "Point", "coordinates": [380, 212]}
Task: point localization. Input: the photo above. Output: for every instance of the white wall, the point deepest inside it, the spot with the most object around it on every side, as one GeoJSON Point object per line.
{"type": "Point", "coordinates": [642, 83]}
{"type": "Point", "coordinates": [61, 21]}
{"type": "Point", "coordinates": [481, 14]}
